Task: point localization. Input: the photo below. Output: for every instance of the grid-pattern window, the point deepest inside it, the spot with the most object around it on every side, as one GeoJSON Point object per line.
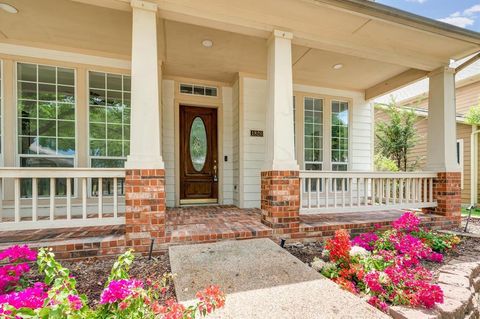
{"type": "Point", "coordinates": [46, 120]}
{"type": "Point", "coordinates": [109, 119]}
{"type": "Point", "coordinates": [194, 89]}
{"type": "Point", "coordinates": [340, 140]}
{"type": "Point", "coordinates": [109, 125]}
{"type": "Point", "coordinates": [340, 133]}
{"type": "Point", "coordinates": [313, 133]}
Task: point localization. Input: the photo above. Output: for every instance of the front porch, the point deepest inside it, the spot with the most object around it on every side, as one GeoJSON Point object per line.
{"type": "Point", "coordinates": [176, 105]}
{"type": "Point", "coordinates": [202, 224]}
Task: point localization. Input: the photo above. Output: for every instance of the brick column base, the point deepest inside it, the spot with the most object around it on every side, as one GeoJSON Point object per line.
{"type": "Point", "coordinates": [447, 193]}
{"type": "Point", "coordinates": [145, 207]}
{"type": "Point", "coordinates": [281, 201]}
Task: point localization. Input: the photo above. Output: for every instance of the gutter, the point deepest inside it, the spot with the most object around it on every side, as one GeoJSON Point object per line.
{"type": "Point", "coordinates": [387, 13]}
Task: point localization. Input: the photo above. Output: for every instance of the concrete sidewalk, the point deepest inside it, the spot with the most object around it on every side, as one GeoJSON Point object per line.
{"type": "Point", "coordinates": [262, 280]}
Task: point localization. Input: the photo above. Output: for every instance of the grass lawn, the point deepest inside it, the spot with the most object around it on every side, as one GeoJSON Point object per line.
{"type": "Point", "coordinates": [475, 212]}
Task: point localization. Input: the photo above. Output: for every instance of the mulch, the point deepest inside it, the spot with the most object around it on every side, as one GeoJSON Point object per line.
{"type": "Point", "coordinates": [91, 274]}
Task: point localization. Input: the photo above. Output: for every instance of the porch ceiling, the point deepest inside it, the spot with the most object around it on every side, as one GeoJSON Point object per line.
{"type": "Point", "coordinates": [372, 50]}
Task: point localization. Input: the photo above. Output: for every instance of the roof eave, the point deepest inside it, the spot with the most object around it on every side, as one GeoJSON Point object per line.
{"type": "Point", "coordinates": [387, 13]}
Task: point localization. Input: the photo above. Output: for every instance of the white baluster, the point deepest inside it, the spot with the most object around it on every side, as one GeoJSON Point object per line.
{"type": "Point", "coordinates": [100, 197]}
{"type": "Point", "coordinates": [34, 199]}
{"type": "Point", "coordinates": [84, 198]}
{"type": "Point", "coordinates": [365, 191]}
{"type": "Point", "coordinates": [318, 192]}
{"type": "Point", "coordinates": [52, 198]}
{"type": "Point", "coordinates": [17, 200]}
{"type": "Point", "coordinates": [387, 195]}
{"type": "Point", "coordinates": [431, 190]}
{"type": "Point", "coordinates": [400, 191]}
{"type": "Point", "coordinates": [343, 192]}
{"type": "Point", "coordinates": [69, 198]}
{"type": "Point", "coordinates": [327, 191]}
{"type": "Point", "coordinates": [115, 198]}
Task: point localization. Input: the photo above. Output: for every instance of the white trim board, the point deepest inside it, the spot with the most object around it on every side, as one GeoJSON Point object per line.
{"type": "Point", "coordinates": [65, 56]}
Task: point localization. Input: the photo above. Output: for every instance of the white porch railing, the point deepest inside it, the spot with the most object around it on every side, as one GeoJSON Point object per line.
{"type": "Point", "coordinates": [323, 191]}
{"type": "Point", "coordinates": [78, 203]}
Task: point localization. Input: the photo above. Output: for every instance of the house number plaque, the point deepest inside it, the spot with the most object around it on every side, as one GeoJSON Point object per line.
{"type": "Point", "coordinates": [256, 133]}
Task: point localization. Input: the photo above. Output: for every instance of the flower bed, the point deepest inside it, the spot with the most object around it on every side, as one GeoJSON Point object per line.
{"type": "Point", "coordinates": [57, 296]}
{"type": "Point", "coordinates": [386, 267]}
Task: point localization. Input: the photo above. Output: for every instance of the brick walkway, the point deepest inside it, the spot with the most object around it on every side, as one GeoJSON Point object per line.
{"type": "Point", "coordinates": [211, 223]}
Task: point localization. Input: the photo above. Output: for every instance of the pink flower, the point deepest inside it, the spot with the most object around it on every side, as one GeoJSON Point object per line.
{"type": "Point", "coordinates": [33, 297]}
{"type": "Point", "coordinates": [17, 253]}
{"type": "Point", "coordinates": [118, 290]}
{"type": "Point", "coordinates": [372, 280]}
{"type": "Point", "coordinates": [376, 302]}
{"type": "Point", "coordinates": [435, 257]}
{"type": "Point", "coordinates": [408, 222]}
{"type": "Point", "coordinates": [10, 275]}
{"type": "Point", "coordinates": [75, 302]}
{"type": "Point", "coordinates": [366, 241]}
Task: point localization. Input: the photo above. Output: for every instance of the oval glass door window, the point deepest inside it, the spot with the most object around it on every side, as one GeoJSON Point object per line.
{"type": "Point", "coordinates": [198, 144]}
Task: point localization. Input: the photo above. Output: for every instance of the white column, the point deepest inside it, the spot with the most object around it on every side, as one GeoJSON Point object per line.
{"type": "Point", "coordinates": [145, 149]}
{"type": "Point", "coordinates": [280, 132]}
{"type": "Point", "coordinates": [442, 132]}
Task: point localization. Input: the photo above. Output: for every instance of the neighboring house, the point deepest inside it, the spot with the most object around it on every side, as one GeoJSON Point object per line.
{"type": "Point", "coordinates": [415, 97]}
{"type": "Point", "coordinates": [113, 110]}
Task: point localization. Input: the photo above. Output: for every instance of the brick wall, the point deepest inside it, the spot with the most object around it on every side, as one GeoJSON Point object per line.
{"type": "Point", "coordinates": [145, 207]}
{"type": "Point", "coordinates": [447, 193]}
{"type": "Point", "coordinates": [280, 200]}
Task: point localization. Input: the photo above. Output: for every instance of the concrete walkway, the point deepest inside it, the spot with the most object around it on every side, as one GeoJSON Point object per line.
{"type": "Point", "coordinates": [262, 280]}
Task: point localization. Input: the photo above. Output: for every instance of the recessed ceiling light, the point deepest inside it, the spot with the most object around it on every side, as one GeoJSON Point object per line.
{"type": "Point", "coordinates": [8, 8]}
{"type": "Point", "coordinates": [337, 66]}
{"type": "Point", "coordinates": [207, 43]}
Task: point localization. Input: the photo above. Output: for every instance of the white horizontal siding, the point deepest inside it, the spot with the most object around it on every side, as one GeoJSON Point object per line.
{"type": "Point", "coordinates": [168, 139]}
{"type": "Point", "coordinates": [253, 114]}
{"type": "Point", "coordinates": [227, 138]}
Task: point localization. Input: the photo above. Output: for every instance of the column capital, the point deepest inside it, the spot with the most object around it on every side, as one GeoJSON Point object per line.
{"type": "Point", "coordinates": [144, 5]}
{"type": "Point", "coordinates": [443, 69]}
{"type": "Point", "coordinates": [281, 34]}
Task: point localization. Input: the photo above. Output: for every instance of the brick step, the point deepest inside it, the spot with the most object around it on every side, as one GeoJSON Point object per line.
{"type": "Point", "coordinates": [78, 248]}
{"type": "Point", "coordinates": [187, 238]}
{"type": "Point", "coordinates": [58, 234]}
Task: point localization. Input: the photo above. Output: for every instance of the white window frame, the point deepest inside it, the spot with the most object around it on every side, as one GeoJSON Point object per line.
{"type": "Point", "coordinates": [300, 130]}
{"type": "Point", "coordinates": [106, 157]}
{"type": "Point", "coordinates": [349, 127]}
{"type": "Point", "coordinates": [18, 156]}
{"type": "Point", "coordinates": [205, 87]}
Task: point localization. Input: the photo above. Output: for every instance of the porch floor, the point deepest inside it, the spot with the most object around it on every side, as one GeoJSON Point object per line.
{"type": "Point", "coordinates": [212, 223]}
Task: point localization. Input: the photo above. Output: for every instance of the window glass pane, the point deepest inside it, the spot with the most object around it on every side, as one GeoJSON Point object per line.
{"type": "Point", "coordinates": [47, 92]}
{"type": "Point", "coordinates": [27, 72]}
{"type": "Point", "coordinates": [96, 80]}
{"type": "Point", "coordinates": [66, 76]}
{"type": "Point", "coordinates": [114, 82]}
{"type": "Point", "coordinates": [313, 132]}
{"type": "Point", "coordinates": [339, 131]}
{"type": "Point", "coordinates": [27, 126]}
{"type": "Point", "coordinates": [47, 110]}
{"type": "Point", "coordinates": [45, 126]}
{"type": "Point", "coordinates": [98, 147]}
{"type": "Point", "coordinates": [47, 74]}
{"type": "Point", "coordinates": [27, 90]}
{"type": "Point", "coordinates": [109, 118]}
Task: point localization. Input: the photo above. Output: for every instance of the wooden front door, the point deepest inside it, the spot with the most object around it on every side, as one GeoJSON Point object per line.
{"type": "Point", "coordinates": [198, 155]}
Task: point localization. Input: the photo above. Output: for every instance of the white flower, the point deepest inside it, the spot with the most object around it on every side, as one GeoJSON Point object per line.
{"type": "Point", "coordinates": [317, 264]}
{"type": "Point", "coordinates": [359, 251]}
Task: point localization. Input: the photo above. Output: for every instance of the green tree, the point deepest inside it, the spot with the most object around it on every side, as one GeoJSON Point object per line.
{"type": "Point", "coordinates": [473, 115]}
{"type": "Point", "coordinates": [396, 136]}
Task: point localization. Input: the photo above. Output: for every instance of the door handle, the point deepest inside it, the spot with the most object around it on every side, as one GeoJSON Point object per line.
{"type": "Point", "coordinates": [215, 178]}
